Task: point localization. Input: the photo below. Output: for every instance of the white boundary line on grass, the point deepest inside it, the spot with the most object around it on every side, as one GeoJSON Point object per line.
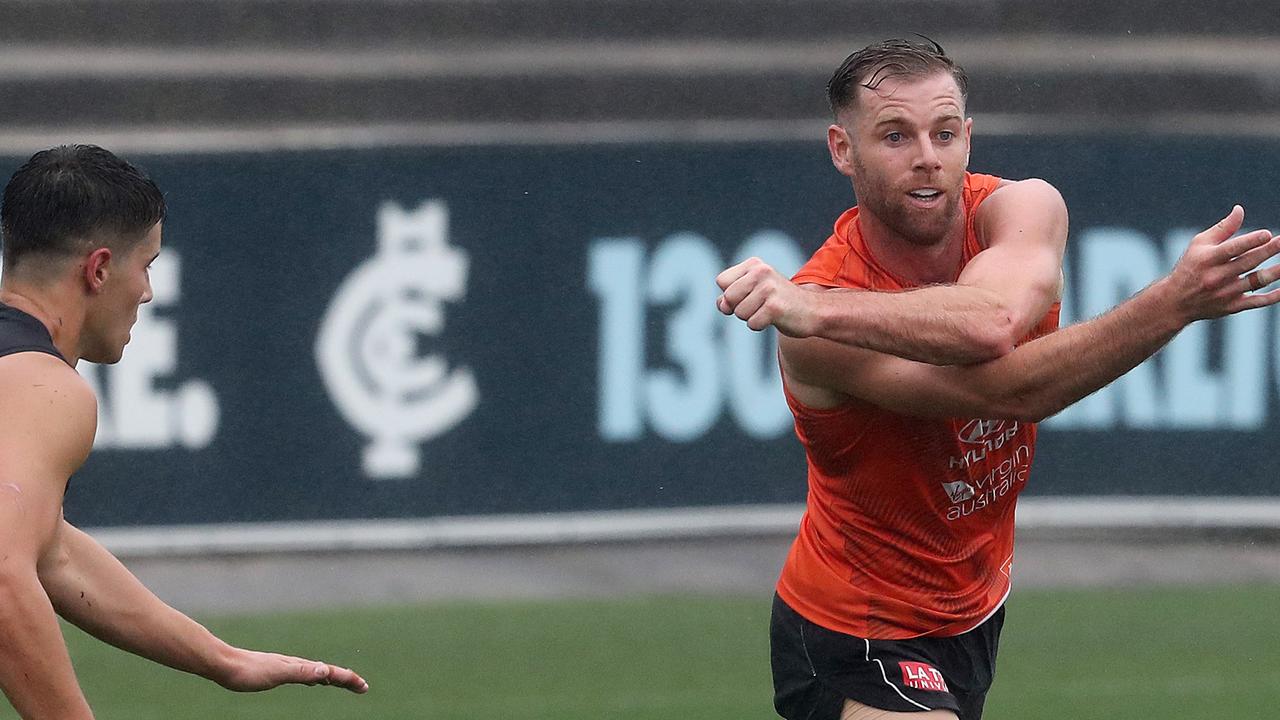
{"type": "Point", "coordinates": [639, 525]}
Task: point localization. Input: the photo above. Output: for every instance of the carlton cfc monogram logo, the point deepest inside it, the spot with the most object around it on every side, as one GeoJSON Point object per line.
{"type": "Point", "coordinates": [370, 348]}
{"type": "Point", "coordinates": [922, 677]}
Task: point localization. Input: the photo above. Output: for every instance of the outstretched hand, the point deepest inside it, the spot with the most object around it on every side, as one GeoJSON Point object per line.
{"type": "Point", "coordinates": [255, 671]}
{"type": "Point", "coordinates": [1218, 274]}
{"type": "Point", "coordinates": [760, 295]}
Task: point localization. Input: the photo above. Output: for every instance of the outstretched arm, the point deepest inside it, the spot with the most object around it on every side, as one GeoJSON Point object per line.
{"type": "Point", "coordinates": [91, 588]}
{"type": "Point", "coordinates": [1214, 278]}
{"type": "Point", "coordinates": [47, 565]}
{"type": "Point", "coordinates": [980, 317]}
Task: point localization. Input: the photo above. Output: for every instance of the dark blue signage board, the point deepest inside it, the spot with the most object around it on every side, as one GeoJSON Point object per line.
{"type": "Point", "coordinates": [420, 332]}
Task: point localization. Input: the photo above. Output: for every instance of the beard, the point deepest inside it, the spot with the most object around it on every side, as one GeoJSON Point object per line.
{"type": "Point", "coordinates": [918, 226]}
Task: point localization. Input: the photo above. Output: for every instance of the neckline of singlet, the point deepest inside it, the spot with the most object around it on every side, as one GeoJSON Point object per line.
{"type": "Point", "coordinates": [27, 318]}
{"type": "Point", "coordinates": [861, 246]}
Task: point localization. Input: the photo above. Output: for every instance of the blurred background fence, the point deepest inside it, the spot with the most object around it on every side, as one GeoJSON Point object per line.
{"type": "Point", "coordinates": [447, 259]}
{"type": "Point", "coordinates": [435, 320]}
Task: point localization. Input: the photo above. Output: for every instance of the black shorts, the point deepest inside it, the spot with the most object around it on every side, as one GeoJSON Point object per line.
{"type": "Point", "coordinates": [816, 669]}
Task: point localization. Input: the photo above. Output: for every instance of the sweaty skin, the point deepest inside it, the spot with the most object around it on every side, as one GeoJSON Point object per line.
{"type": "Point", "coordinates": [1042, 377]}
{"type": "Point", "coordinates": [949, 349]}
{"type": "Point", "coordinates": [905, 138]}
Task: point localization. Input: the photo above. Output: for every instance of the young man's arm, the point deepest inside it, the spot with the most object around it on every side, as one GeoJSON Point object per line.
{"type": "Point", "coordinates": [1044, 376]}
{"type": "Point", "coordinates": [92, 589]}
{"type": "Point", "coordinates": [47, 565]}
{"type": "Point", "coordinates": [37, 454]}
{"type": "Point", "coordinates": [980, 317]}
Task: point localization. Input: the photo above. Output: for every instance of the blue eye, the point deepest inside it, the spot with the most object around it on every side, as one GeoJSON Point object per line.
{"type": "Point", "coordinates": [946, 136]}
{"type": "Point", "coordinates": [894, 137]}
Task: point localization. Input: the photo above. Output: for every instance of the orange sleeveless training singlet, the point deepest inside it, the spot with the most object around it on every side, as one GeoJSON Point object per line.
{"type": "Point", "coordinates": [908, 529]}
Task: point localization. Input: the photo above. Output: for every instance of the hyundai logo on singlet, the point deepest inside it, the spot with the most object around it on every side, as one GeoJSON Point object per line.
{"type": "Point", "coordinates": [979, 431]}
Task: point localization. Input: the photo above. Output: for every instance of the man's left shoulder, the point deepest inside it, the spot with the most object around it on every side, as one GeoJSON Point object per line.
{"type": "Point", "coordinates": [1022, 198]}
{"type": "Point", "coordinates": [1026, 186]}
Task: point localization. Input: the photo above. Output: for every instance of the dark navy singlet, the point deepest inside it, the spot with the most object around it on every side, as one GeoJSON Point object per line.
{"type": "Point", "coordinates": [20, 332]}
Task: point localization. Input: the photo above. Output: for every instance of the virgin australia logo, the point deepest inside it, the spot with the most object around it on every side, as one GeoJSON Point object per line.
{"type": "Point", "coordinates": [958, 491]}
{"type": "Point", "coordinates": [370, 345]}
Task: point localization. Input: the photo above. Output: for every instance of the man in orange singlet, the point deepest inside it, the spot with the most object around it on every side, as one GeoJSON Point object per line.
{"type": "Point", "coordinates": [919, 347]}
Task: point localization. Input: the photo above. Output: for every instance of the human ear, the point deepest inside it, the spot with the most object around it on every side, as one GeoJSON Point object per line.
{"type": "Point", "coordinates": [97, 268]}
{"type": "Point", "coordinates": [839, 145]}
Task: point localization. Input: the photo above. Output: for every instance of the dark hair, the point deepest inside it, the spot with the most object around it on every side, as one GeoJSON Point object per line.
{"type": "Point", "coordinates": [70, 197]}
{"type": "Point", "coordinates": [886, 59]}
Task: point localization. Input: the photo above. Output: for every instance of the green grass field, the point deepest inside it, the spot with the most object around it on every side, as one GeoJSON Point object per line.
{"type": "Point", "coordinates": [1142, 653]}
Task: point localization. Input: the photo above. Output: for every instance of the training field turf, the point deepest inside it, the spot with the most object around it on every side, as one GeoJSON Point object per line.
{"type": "Point", "coordinates": [1141, 653]}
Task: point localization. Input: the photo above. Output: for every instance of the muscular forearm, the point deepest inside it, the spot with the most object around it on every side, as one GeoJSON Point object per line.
{"type": "Point", "coordinates": [93, 590]}
{"type": "Point", "coordinates": [940, 325]}
{"type": "Point", "coordinates": [89, 587]}
{"type": "Point", "coordinates": [1215, 277]}
{"type": "Point", "coordinates": [1046, 375]}
{"type": "Point", "coordinates": [35, 669]}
